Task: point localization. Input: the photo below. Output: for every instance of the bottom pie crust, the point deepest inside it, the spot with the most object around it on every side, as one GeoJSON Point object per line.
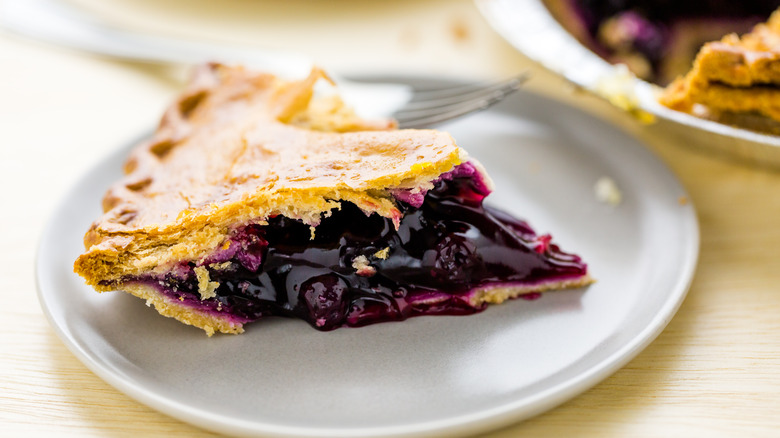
{"type": "Point", "coordinates": [212, 322]}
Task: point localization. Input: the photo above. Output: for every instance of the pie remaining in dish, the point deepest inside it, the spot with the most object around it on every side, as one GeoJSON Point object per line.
{"type": "Point", "coordinates": [255, 199]}
{"type": "Point", "coordinates": [656, 39]}
{"type": "Point", "coordinates": [734, 75]}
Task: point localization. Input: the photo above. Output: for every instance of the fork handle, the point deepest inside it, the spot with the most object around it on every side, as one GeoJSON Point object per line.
{"type": "Point", "coordinates": [56, 23]}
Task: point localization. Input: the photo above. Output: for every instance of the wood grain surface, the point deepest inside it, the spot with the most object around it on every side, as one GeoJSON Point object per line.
{"type": "Point", "coordinates": [715, 370]}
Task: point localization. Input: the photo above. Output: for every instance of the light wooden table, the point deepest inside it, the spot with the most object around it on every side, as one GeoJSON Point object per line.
{"type": "Point", "coordinates": [715, 370]}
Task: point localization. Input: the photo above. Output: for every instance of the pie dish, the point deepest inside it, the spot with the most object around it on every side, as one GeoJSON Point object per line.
{"type": "Point", "coordinates": [254, 199]}
{"type": "Point", "coordinates": [657, 40]}
{"type": "Point", "coordinates": [735, 74]}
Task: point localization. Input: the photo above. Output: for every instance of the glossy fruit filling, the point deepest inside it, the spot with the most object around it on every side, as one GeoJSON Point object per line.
{"type": "Point", "coordinates": [360, 269]}
{"type": "Point", "coordinates": [650, 35]}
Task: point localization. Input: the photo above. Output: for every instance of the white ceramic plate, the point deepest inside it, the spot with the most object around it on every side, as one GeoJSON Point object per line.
{"type": "Point", "coordinates": [448, 375]}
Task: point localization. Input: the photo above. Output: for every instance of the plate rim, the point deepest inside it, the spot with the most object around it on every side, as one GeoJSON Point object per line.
{"type": "Point", "coordinates": [478, 421]}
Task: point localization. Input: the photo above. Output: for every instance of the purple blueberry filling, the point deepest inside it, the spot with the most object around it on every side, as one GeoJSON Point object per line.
{"type": "Point", "coordinates": [359, 269]}
{"type": "Point", "coordinates": [620, 30]}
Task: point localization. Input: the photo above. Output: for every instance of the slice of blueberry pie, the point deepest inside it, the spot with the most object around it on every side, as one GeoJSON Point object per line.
{"type": "Point", "coordinates": [255, 199]}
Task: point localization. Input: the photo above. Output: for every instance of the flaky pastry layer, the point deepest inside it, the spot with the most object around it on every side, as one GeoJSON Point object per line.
{"type": "Point", "coordinates": [736, 74]}
{"type": "Point", "coordinates": [239, 147]}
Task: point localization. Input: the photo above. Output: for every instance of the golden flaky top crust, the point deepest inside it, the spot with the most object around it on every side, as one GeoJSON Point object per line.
{"type": "Point", "coordinates": [737, 74]}
{"type": "Point", "coordinates": [238, 147]}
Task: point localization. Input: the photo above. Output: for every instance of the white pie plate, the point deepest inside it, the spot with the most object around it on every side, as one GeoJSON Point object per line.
{"type": "Point", "coordinates": [427, 375]}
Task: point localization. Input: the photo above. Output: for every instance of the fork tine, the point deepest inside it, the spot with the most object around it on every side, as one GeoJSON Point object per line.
{"type": "Point", "coordinates": [445, 96]}
{"type": "Point", "coordinates": [408, 113]}
{"type": "Point", "coordinates": [446, 108]}
{"type": "Point", "coordinates": [430, 93]}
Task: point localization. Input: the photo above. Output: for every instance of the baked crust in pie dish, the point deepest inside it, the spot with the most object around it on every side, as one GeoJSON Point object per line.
{"type": "Point", "coordinates": [253, 198]}
{"type": "Point", "coordinates": [735, 74]}
{"type": "Point", "coordinates": [656, 40]}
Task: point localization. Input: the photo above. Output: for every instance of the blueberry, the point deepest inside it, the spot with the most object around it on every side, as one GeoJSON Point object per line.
{"type": "Point", "coordinates": [251, 252]}
{"type": "Point", "coordinates": [369, 309]}
{"type": "Point", "coordinates": [455, 257]}
{"type": "Point", "coordinates": [322, 299]}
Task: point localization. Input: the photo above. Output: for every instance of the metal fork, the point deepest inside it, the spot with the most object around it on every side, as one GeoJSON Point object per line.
{"type": "Point", "coordinates": [428, 108]}
{"type": "Point", "coordinates": [57, 23]}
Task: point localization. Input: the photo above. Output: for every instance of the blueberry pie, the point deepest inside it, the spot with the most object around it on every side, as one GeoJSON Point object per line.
{"type": "Point", "coordinates": [656, 39]}
{"type": "Point", "coordinates": [733, 75]}
{"type": "Point", "coordinates": [253, 198]}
